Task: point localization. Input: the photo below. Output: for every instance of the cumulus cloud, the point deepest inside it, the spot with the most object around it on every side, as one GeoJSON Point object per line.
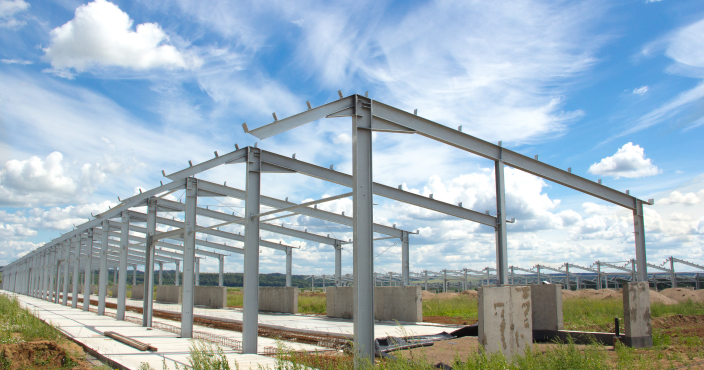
{"type": "Point", "coordinates": [26, 182]}
{"type": "Point", "coordinates": [101, 34]}
{"type": "Point", "coordinates": [8, 9]}
{"type": "Point", "coordinates": [629, 161]}
{"type": "Point", "coordinates": [640, 90]}
{"type": "Point", "coordinates": [688, 198]}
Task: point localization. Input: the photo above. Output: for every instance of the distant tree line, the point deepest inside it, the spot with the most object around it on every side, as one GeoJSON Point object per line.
{"type": "Point", "coordinates": [230, 279]}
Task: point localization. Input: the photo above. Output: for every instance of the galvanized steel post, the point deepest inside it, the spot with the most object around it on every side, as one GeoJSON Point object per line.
{"type": "Point", "coordinates": [103, 273]}
{"type": "Point", "coordinates": [149, 264]}
{"type": "Point", "coordinates": [338, 264]}
{"type": "Point", "coordinates": [363, 234]}
{"type": "Point", "coordinates": [88, 270]}
{"type": "Point", "coordinates": [289, 266]}
{"type": "Point", "coordinates": [221, 270]}
{"type": "Point", "coordinates": [189, 257]}
{"type": "Point", "coordinates": [639, 226]}
{"type": "Point", "coordinates": [76, 270]}
{"type": "Point", "coordinates": [251, 253]}
{"type": "Point", "coordinates": [501, 248]}
{"type": "Point", "coordinates": [122, 279]}
{"type": "Point", "coordinates": [405, 264]}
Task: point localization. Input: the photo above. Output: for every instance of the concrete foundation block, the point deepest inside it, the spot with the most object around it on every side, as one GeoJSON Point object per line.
{"type": "Point", "coordinates": [390, 303]}
{"type": "Point", "coordinates": [210, 296]}
{"type": "Point", "coordinates": [505, 319]}
{"type": "Point", "coordinates": [169, 294]}
{"type": "Point", "coordinates": [138, 292]}
{"type": "Point", "coordinates": [546, 300]}
{"type": "Point", "coordinates": [113, 291]}
{"type": "Point", "coordinates": [636, 315]}
{"type": "Point", "coordinates": [278, 299]}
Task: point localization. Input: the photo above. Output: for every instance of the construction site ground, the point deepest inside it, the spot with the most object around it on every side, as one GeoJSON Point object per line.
{"type": "Point", "coordinates": [87, 328]}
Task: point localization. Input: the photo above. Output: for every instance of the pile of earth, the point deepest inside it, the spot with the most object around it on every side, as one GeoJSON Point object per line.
{"type": "Point", "coordinates": [683, 294]}
{"type": "Point", "coordinates": [37, 355]}
{"type": "Point", "coordinates": [602, 294]}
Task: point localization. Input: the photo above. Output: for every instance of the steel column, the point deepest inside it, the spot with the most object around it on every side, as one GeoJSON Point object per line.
{"type": "Point", "coordinates": [103, 273]}
{"type": "Point", "coordinates": [64, 286]}
{"type": "Point", "coordinates": [501, 248]}
{"type": "Point", "coordinates": [673, 277]}
{"type": "Point", "coordinates": [251, 253]}
{"type": "Point", "coordinates": [189, 258]}
{"type": "Point", "coordinates": [134, 275]}
{"type": "Point", "coordinates": [161, 273]}
{"type": "Point", "coordinates": [178, 273]}
{"type": "Point", "coordinates": [289, 266]}
{"type": "Point", "coordinates": [149, 265]}
{"type": "Point", "coordinates": [122, 279]}
{"type": "Point", "coordinates": [363, 232]}
{"type": "Point", "coordinates": [338, 265]}
{"type": "Point", "coordinates": [639, 226]}
{"type": "Point", "coordinates": [88, 271]}
{"type": "Point", "coordinates": [221, 270]}
{"type": "Point", "coordinates": [405, 264]}
{"type": "Point", "coordinates": [76, 271]}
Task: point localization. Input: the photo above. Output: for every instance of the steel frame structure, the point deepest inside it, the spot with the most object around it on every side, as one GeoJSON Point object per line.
{"type": "Point", "coordinates": [370, 115]}
{"type": "Point", "coordinates": [34, 272]}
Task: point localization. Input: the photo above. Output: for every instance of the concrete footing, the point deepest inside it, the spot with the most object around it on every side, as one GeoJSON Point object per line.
{"type": "Point", "coordinates": [210, 296]}
{"type": "Point", "coordinates": [505, 319]}
{"type": "Point", "coordinates": [138, 292]}
{"type": "Point", "coordinates": [546, 300]}
{"type": "Point", "coordinates": [113, 291]}
{"type": "Point", "coordinates": [169, 294]}
{"type": "Point", "coordinates": [390, 303]}
{"type": "Point", "coordinates": [278, 299]}
{"type": "Point", "coordinates": [636, 315]}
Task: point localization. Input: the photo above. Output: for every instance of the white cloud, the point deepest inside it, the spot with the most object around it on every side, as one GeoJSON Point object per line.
{"type": "Point", "coordinates": [471, 77]}
{"type": "Point", "coordinates": [8, 9]}
{"type": "Point", "coordinates": [13, 249]}
{"type": "Point", "coordinates": [16, 61]}
{"type": "Point", "coordinates": [686, 48]}
{"type": "Point", "coordinates": [640, 90]}
{"type": "Point", "coordinates": [101, 35]}
{"type": "Point", "coordinates": [678, 198]}
{"type": "Point", "coordinates": [629, 161]}
{"type": "Point", "coordinates": [35, 180]}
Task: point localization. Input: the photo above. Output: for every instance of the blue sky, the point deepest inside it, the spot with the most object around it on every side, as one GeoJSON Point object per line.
{"type": "Point", "coordinates": [97, 98]}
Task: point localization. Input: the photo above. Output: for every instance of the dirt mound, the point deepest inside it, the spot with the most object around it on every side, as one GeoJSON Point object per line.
{"type": "Point", "coordinates": [602, 294]}
{"type": "Point", "coordinates": [656, 297]}
{"type": "Point", "coordinates": [446, 295]}
{"type": "Point", "coordinates": [427, 295]}
{"type": "Point", "coordinates": [683, 295]}
{"type": "Point", "coordinates": [36, 355]}
{"type": "Point", "coordinates": [470, 293]}
{"type": "Point", "coordinates": [677, 321]}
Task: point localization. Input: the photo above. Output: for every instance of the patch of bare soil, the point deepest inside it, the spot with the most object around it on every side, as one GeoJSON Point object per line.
{"type": "Point", "coordinates": [470, 293]}
{"type": "Point", "coordinates": [38, 355]}
{"type": "Point", "coordinates": [602, 294]}
{"type": "Point", "coordinates": [683, 295]}
{"type": "Point", "coordinates": [448, 320]}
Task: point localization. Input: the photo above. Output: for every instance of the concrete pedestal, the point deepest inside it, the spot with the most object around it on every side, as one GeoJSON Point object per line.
{"type": "Point", "coordinates": [636, 315]}
{"type": "Point", "coordinates": [505, 319]}
{"type": "Point", "coordinates": [210, 296]}
{"type": "Point", "coordinates": [278, 299]}
{"type": "Point", "coordinates": [138, 292]}
{"type": "Point", "coordinates": [390, 303]}
{"type": "Point", "coordinates": [546, 300]}
{"type": "Point", "coordinates": [113, 291]}
{"type": "Point", "coordinates": [169, 294]}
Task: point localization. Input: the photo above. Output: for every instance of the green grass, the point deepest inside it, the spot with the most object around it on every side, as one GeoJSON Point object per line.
{"type": "Point", "coordinates": [462, 306]}
{"type": "Point", "coordinates": [312, 304]}
{"type": "Point", "coordinates": [20, 325]}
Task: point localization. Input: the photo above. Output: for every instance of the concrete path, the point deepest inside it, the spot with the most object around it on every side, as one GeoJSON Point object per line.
{"type": "Point", "coordinates": [87, 328]}
{"type": "Point", "coordinates": [303, 321]}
